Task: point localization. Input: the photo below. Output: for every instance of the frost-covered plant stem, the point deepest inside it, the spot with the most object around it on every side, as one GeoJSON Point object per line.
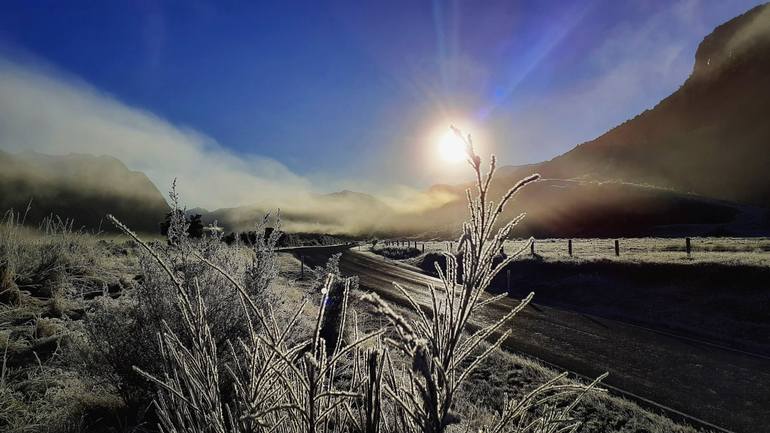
{"type": "Point", "coordinates": [442, 354]}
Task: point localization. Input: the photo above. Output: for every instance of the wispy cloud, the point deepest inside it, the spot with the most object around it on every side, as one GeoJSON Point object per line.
{"type": "Point", "coordinates": [46, 111]}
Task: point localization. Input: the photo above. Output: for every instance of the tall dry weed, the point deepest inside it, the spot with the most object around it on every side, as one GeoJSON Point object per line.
{"type": "Point", "coordinates": [405, 381]}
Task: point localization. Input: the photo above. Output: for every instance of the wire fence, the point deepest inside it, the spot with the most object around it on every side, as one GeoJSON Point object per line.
{"type": "Point", "coordinates": [729, 249]}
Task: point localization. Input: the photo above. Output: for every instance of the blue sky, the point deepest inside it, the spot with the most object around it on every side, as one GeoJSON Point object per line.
{"type": "Point", "coordinates": [346, 94]}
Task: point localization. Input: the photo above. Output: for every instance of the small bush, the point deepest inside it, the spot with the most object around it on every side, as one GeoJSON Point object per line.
{"type": "Point", "coordinates": [125, 331]}
{"type": "Point", "coordinates": [397, 253]}
{"type": "Point", "coordinates": [321, 273]}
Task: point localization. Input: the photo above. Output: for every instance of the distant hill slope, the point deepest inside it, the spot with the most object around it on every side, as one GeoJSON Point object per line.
{"type": "Point", "coordinates": [573, 208]}
{"type": "Point", "coordinates": [83, 188]}
{"type": "Point", "coordinates": [711, 137]}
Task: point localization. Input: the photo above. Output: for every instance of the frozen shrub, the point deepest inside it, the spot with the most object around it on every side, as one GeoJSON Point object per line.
{"type": "Point", "coordinates": [408, 382]}
{"type": "Point", "coordinates": [125, 331]}
{"type": "Point", "coordinates": [320, 273]}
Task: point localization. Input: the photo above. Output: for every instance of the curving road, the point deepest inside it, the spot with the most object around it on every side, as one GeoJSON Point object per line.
{"type": "Point", "coordinates": [696, 381]}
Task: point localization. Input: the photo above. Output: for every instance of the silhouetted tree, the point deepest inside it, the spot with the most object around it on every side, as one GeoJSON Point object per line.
{"type": "Point", "coordinates": [195, 230]}
{"type": "Point", "coordinates": [194, 224]}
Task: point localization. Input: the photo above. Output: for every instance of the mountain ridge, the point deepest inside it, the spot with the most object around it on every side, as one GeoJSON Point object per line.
{"type": "Point", "coordinates": [79, 187]}
{"type": "Point", "coordinates": [710, 137]}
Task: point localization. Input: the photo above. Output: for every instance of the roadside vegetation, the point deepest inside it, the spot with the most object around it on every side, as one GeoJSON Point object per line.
{"type": "Point", "coordinates": [397, 253]}
{"type": "Point", "coordinates": [197, 335]}
{"type": "Point", "coordinates": [716, 293]}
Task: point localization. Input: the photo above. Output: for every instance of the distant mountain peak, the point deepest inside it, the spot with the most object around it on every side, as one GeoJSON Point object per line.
{"type": "Point", "coordinates": [733, 42]}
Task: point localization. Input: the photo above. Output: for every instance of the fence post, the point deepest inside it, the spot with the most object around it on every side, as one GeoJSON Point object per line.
{"type": "Point", "coordinates": [617, 248]}
{"type": "Point", "coordinates": [502, 250]}
{"type": "Point", "coordinates": [423, 247]}
{"type": "Point", "coordinates": [302, 266]}
{"type": "Point", "coordinates": [569, 247]}
{"type": "Point", "coordinates": [532, 248]}
{"type": "Point", "coordinates": [687, 246]}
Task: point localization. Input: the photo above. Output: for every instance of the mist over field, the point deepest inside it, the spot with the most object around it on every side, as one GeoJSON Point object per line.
{"type": "Point", "coordinates": [46, 112]}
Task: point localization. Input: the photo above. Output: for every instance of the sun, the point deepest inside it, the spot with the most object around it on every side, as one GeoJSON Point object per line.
{"type": "Point", "coordinates": [451, 148]}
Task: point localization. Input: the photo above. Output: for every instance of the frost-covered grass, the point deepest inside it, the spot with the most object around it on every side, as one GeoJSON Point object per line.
{"type": "Point", "coordinates": [59, 393]}
{"type": "Point", "coordinates": [197, 336]}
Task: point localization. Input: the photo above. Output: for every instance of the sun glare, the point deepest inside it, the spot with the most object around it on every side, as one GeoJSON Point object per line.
{"type": "Point", "coordinates": [451, 148]}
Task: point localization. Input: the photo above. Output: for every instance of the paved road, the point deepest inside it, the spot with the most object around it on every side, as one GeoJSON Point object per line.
{"type": "Point", "coordinates": [692, 380]}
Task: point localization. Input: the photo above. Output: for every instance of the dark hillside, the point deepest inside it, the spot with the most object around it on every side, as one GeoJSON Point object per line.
{"type": "Point", "coordinates": [710, 137]}
{"type": "Point", "coordinates": [82, 188]}
{"type": "Point", "coordinates": [571, 208]}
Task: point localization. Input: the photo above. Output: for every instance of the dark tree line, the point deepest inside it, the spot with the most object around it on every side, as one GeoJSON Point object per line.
{"type": "Point", "coordinates": [195, 225]}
